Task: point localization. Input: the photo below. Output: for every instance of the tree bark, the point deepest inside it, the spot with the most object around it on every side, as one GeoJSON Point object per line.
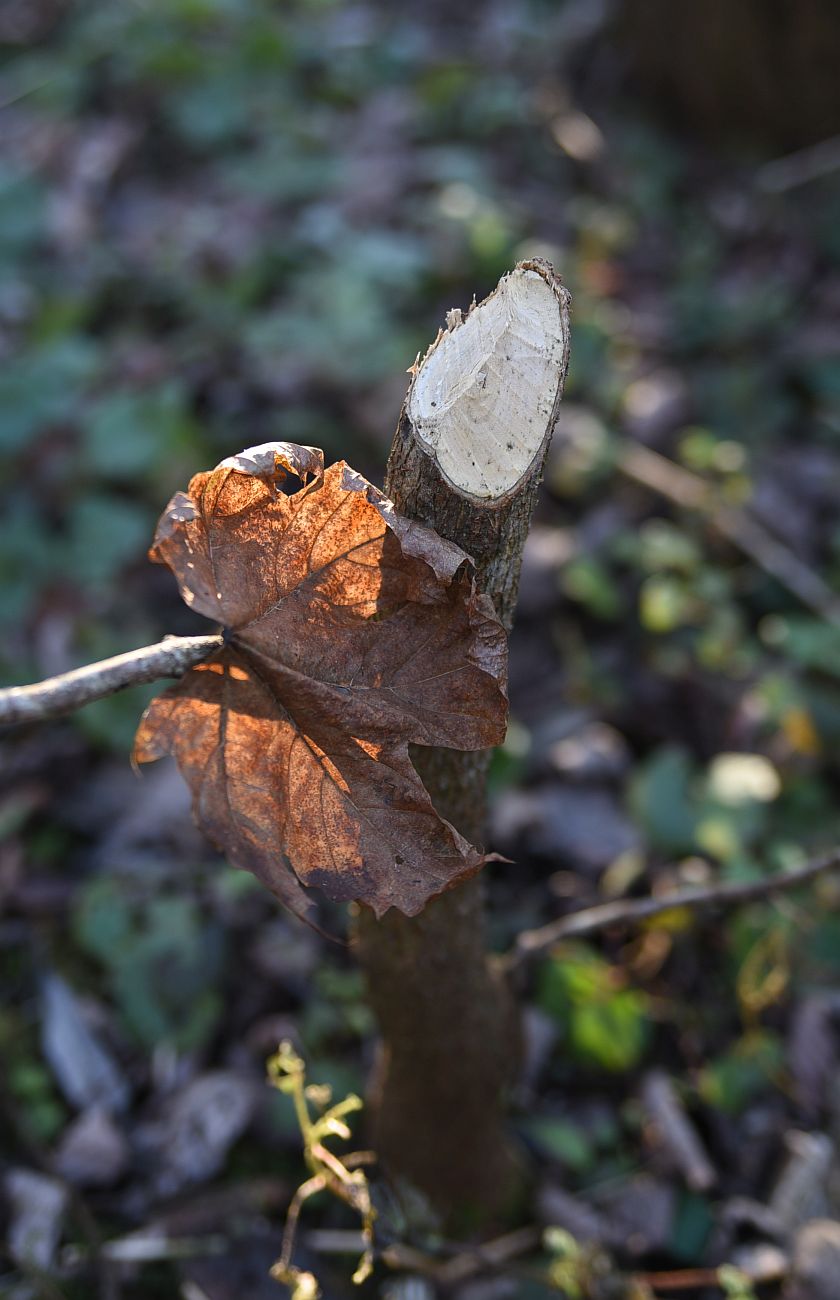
{"type": "Point", "coordinates": [449, 1034]}
{"type": "Point", "coordinates": [760, 72]}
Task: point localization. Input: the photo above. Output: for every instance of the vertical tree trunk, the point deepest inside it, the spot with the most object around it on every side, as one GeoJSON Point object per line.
{"type": "Point", "coordinates": [467, 460]}
{"type": "Point", "coordinates": [762, 72]}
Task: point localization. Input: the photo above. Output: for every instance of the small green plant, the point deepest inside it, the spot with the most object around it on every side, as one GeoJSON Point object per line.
{"type": "Point", "coordinates": [575, 1268]}
{"type": "Point", "coordinates": [342, 1176]}
{"type": "Point", "coordinates": [584, 1271]}
{"type": "Point", "coordinates": [734, 1284]}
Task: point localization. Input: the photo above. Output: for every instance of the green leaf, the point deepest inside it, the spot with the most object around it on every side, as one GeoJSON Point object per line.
{"type": "Point", "coordinates": [102, 919]}
{"type": "Point", "coordinates": [129, 434]}
{"type": "Point", "coordinates": [665, 604]}
{"type": "Point", "coordinates": [731, 1081]}
{"type": "Point", "coordinates": [590, 582]}
{"type": "Point", "coordinates": [660, 797]}
{"type": "Point", "coordinates": [106, 533]}
{"type": "Point", "coordinates": [612, 1033]}
{"type": "Point", "coordinates": [41, 389]}
{"type": "Point", "coordinates": [605, 1024]}
{"type": "Point", "coordinates": [692, 1224]}
{"type": "Point", "coordinates": [808, 641]}
{"type": "Point", "coordinates": [562, 1141]}
{"type": "Point", "coordinates": [164, 962]}
{"type": "Point", "coordinates": [22, 212]}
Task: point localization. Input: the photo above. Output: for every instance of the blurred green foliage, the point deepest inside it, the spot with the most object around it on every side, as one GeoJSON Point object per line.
{"type": "Point", "coordinates": [603, 1022]}
{"type": "Point", "coordinates": [28, 1083]}
{"type": "Point", "coordinates": [748, 1067]}
{"type": "Point", "coordinates": [223, 221]}
{"type": "Point", "coordinates": [163, 960]}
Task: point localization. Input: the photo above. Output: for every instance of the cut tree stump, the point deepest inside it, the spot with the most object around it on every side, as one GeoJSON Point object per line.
{"type": "Point", "coordinates": [467, 460]}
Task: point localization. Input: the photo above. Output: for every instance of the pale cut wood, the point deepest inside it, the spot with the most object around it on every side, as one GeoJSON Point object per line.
{"type": "Point", "coordinates": [482, 399]}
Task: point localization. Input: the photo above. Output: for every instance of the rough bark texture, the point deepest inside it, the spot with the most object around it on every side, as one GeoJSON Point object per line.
{"type": "Point", "coordinates": [448, 1024]}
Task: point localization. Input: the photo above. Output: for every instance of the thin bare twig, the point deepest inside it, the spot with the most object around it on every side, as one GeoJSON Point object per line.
{"type": "Point", "coordinates": [311, 1187]}
{"type": "Point", "coordinates": [466, 1262]}
{"type": "Point", "coordinates": [633, 910]}
{"type": "Point", "coordinates": [690, 492]}
{"type": "Point", "coordinates": [148, 1248]}
{"type": "Point", "coordinates": [799, 168]}
{"type": "Point", "coordinates": [683, 1279]}
{"type": "Point", "coordinates": [169, 658]}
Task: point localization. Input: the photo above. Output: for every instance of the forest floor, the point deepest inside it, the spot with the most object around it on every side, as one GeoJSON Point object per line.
{"type": "Point", "coordinates": [225, 221]}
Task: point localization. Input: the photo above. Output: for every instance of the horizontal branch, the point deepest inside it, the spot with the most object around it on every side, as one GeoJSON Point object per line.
{"type": "Point", "coordinates": [633, 910]}
{"type": "Point", "coordinates": [169, 658]}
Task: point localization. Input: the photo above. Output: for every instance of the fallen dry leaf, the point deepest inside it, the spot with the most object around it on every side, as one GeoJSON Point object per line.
{"type": "Point", "coordinates": [350, 633]}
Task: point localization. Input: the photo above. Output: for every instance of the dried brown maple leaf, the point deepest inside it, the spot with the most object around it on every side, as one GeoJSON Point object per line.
{"type": "Point", "coordinates": [350, 633]}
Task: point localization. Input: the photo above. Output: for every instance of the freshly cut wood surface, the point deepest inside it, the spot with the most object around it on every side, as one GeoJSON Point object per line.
{"type": "Point", "coordinates": [482, 399]}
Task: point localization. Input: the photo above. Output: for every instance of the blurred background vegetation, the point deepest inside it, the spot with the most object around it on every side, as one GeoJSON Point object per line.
{"type": "Point", "coordinates": [226, 221]}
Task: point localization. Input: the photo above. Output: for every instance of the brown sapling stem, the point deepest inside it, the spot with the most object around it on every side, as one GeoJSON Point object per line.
{"type": "Point", "coordinates": [467, 460]}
